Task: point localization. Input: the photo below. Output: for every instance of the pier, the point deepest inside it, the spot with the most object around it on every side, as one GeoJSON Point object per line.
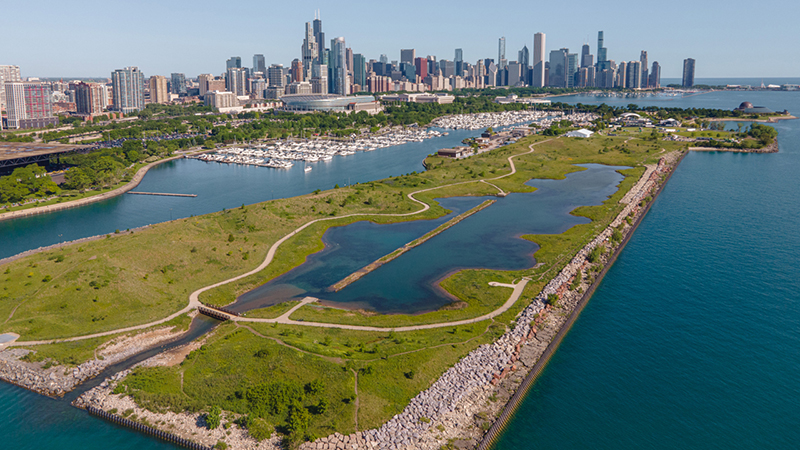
{"type": "Point", "coordinates": [165, 194]}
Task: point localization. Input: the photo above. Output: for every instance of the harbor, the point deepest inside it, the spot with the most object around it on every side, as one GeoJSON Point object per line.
{"type": "Point", "coordinates": [283, 154]}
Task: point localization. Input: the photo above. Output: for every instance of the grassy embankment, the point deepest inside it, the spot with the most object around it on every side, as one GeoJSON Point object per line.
{"type": "Point", "coordinates": [145, 277]}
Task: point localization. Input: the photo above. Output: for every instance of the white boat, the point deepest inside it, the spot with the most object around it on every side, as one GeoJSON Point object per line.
{"type": "Point", "coordinates": [307, 169]}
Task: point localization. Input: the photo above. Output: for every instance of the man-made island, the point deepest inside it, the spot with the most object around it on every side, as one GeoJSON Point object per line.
{"type": "Point", "coordinates": [300, 372]}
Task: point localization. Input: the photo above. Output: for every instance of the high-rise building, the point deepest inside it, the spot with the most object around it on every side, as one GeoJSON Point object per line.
{"type": "Point", "coordinates": [514, 74]}
{"type": "Point", "coordinates": [408, 55]}
{"type": "Point", "coordinates": [7, 74]}
{"type": "Point", "coordinates": [524, 59]}
{"type": "Point", "coordinates": [319, 78]}
{"type": "Point", "coordinates": [643, 64]}
{"type": "Point", "coordinates": [602, 54]}
{"type": "Point", "coordinates": [298, 71]}
{"type": "Point", "coordinates": [89, 99]}
{"type": "Point", "coordinates": [309, 50]}
{"type": "Point", "coordinates": [259, 64]}
{"type": "Point", "coordinates": [319, 36]}
{"type": "Point", "coordinates": [340, 82]}
{"type": "Point", "coordinates": [491, 74]}
{"type": "Point", "coordinates": [459, 60]}
{"type": "Point", "coordinates": [384, 59]}
{"type": "Point", "coordinates": [348, 56]}
{"type": "Point", "coordinates": [29, 105]}
{"type": "Point", "coordinates": [587, 60]}
{"type": "Point", "coordinates": [655, 76]}
{"type": "Point", "coordinates": [559, 65]}
{"type": "Point", "coordinates": [572, 69]}
{"type": "Point", "coordinates": [409, 71]}
{"type": "Point", "coordinates": [633, 79]}
{"type": "Point", "coordinates": [276, 76]}
{"type": "Point", "coordinates": [421, 65]}
{"type": "Point", "coordinates": [360, 70]}
{"type": "Point", "coordinates": [128, 90]}
{"type": "Point", "coordinates": [501, 53]}
{"type": "Point", "coordinates": [234, 63]}
{"type": "Point", "coordinates": [158, 89]}
{"type": "Point", "coordinates": [622, 74]}
{"type": "Point", "coordinates": [236, 81]}
{"type": "Point", "coordinates": [178, 83]}
{"type": "Point", "coordinates": [202, 81]}
{"type": "Point", "coordinates": [538, 60]}
{"type": "Point", "coordinates": [688, 72]}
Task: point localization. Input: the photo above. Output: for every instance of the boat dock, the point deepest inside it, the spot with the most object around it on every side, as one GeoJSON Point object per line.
{"type": "Point", "coordinates": [165, 194]}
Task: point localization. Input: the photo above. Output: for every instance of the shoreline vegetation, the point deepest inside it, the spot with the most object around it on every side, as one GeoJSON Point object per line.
{"type": "Point", "coordinates": [336, 382]}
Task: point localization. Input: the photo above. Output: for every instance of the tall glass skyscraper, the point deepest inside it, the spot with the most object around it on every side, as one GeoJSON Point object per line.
{"type": "Point", "coordinates": [688, 72]}
{"type": "Point", "coordinates": [178, 83]}
{"type": "Point", "coordinates": [340, 82]}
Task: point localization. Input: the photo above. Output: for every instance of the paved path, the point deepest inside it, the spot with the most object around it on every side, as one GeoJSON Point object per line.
{"type": "Point", "coordinates": [194, 297]}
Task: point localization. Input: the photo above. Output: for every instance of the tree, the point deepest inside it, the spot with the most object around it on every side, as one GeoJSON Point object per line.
{"type": "Point", "coordinates": [213, 418]}
{"type": "Point", "coordinates": [299, 418]}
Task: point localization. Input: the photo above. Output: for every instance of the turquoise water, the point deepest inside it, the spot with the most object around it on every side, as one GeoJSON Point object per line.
{"type": "Point", "coordinates": [692, 340]}
{"type": "Point", "coordinates": [488, 239]}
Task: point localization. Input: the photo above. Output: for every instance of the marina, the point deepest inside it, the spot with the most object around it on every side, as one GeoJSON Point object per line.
{"type": "Point", "coordinates": [510, 118]}
{"type": "Point", "coordinates": [283, 154]}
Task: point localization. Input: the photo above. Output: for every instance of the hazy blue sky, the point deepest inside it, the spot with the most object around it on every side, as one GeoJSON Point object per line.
{"type": "Point", "coordinates": [92, 38]}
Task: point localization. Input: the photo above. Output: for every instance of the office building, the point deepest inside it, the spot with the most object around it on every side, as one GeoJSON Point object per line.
{"type": "Point", "coordinates": [524, 59]}
{"type": "Point", "coordinates": [421, 65]}
{"type": "Point", "coordinates": [501, 54]}
{"type": "Point", "coordinates": [236, 81]}
{"type": "Point", "coordinates": [29, 105]}
{"type": "Point", "coordinates": [234, 63]}
{"type": "Point", "coordinates": [572, 69]}
{"type": "Point", "coordinates": [259, 64]}
{"type": "Point", "coordinates": [221, 100]}
{"type": "Point", "coordinates": [360, 70]}
{"type": "Point", "coordinates": [622, 75]}
{"type": "Point", "coordinates": [688, 72]}
{"type": "Point", "coordinates": [301, 87]}
{"type": "Point", "coordinates": [602, 54]}
{"type": "Point", "coordinates": [128, 90]}
{"type": "Point", "coordinates": [587, 59]}
{"type": "Point", "coordinates": [384, 59]}
{"type": "Point", "coordinates": [459, 60]}
{"type": "Point", "coordinates": [202, 81]}
{"type": "Point", "coordinates": [559, 65]}
{"type": "Point", "coordinates": [276, 75]}
{"type": "Point", "coordinates": [178, 84]}
{"type": "Point", "coordinates": [513, 74]}
{"type": "Point", "coordinates": [158, 89]}
{"type": "Point", "coordinates": [538, 60]}
{"type": "Point", "coordinates": [340, 83]}
{"type": "Point", "coordinates": [491, 74]}
{"type": "Point", "coordinates": [310, 51]}
{"type": "Point", "coordinates": [655, 76]}
{"type": "Point", "coordinates": [408, 55]}
{"type": "Point", "coordinates": [319, 36]}
{"type": "Point", "coordinates": [257, 88]}
{"type": "Point", "coordinates": [319, 78]}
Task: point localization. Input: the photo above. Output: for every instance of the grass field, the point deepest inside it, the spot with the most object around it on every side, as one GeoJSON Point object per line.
{"type": "Point", "coordinates": [128, 280]}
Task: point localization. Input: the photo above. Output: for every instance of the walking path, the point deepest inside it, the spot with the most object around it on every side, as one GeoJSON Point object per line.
{"type": "Point", "coordinates": [194, 297]}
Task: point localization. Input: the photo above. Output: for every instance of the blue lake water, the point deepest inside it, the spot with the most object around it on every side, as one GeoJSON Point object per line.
{"type": "Point", "coordinates": [488, 239]}
{"type": "Point", "coordinates": [691, 341]}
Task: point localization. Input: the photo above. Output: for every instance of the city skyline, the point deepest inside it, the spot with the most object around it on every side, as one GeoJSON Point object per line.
{"type": "Point", "coordinates": [206, 52]}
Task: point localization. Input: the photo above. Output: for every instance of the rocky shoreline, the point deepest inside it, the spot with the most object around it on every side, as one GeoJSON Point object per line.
{"type": "Point", "coordinates": [52, 380]}
{"type": "Point", "coordinates": [466, 400]}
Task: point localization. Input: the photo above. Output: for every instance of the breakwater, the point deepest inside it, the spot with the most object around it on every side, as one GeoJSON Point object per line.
{"type": "Point", "coordinates": [415, 243]}
{"type": "Point", "coordinates": [142, 428]}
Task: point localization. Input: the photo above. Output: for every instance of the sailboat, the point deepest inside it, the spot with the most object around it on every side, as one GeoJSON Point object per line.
{"type": "Point", "coordinates": [307, 169]}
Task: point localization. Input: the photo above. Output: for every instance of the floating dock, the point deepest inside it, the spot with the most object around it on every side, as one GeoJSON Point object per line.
{"type": "Point", "coordinates": [165, 194]}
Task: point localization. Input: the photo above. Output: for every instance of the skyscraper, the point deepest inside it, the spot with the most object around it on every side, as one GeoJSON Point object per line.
{"type": "Point", "coordinates": [319, 78]}
{"type": "Point", "coordinates": [524, 59]}
{"type": "Point", "coordinates": [234, 63]}
{"type": "Point", "coordinates": [688, 72]}
{"type": "Point", "coordinates": [360, 70]}
{"type": "Point", "coordinates": [276, 76]}
{"type": "Point", "coordinates": [559, 65]}
{"type": "Point", "coordinates": [89, 99]}
{"type": "Point", "coordinates": [655, 76]}
{"type": "Point", "coordinates": [421, 65]}
{"type": "Point", "coordinates": [319, 36]}
{"type": "Point", "coordinates": [459, 60]}
{"type": "Point", "coordinates": [298, 71]}
{"type": "Point", "coordinates": [384, 59]}
{"type": "Point", "coordinates": [633, 79]}
{"type": "Point", "coordinates": [586, 56]}
{"type": "Point", "coordinates": [538, 60]}
{"type": "Point", "coordinates": [236, 81]}
{"type": "Point", "coordinates": [602, 54]}
{"type": "Point", "coordinates": [203, 80]}
{"type": "Point", "coordinates": [408, 55]}
{"type": "Point", "coordinates": [643, 62]}
{"type": "Point", "coordinates": [128, 85]}
{"type": "Point", "coordinates": [572, 69]}
{"type": "Point", "coordinates": [340, 82]}
{"type": "Point", "coordinates": [178, 83]}
{"type": "Point", "coordinates": [501, 53]}
{"type": "Point", "coordinates": [259, 64]}
{"type": "Point", "coordinates": [309, 50]}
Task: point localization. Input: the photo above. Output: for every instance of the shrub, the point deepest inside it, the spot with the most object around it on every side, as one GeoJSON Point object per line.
{"type": "Point", "coordinates": [260, 429]}
{"type": "Point", "coordinates": [213, 418]}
